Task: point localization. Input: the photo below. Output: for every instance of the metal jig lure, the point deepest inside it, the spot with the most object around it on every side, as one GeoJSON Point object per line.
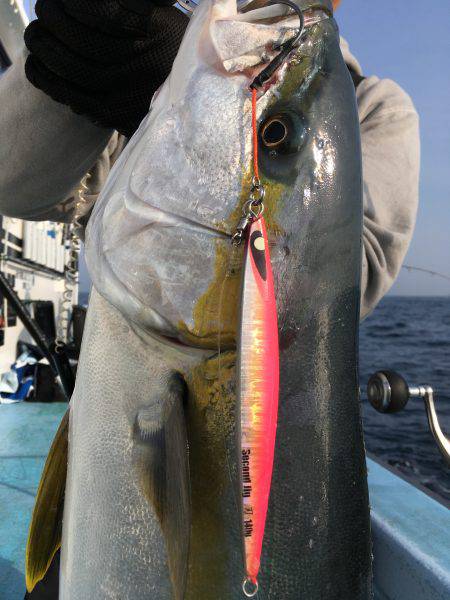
{"type": "Point", "coordinates": [258, 353]}
{"type": "Point", "coordinates": [258, 385]}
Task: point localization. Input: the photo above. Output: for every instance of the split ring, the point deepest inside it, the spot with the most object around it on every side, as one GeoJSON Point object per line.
{"type": "Point", "coordinates": [253, 208]}
{"type": "Point", "coordinates": [257, 194]}
{"type": "Point", "coordinates": [250, 588]}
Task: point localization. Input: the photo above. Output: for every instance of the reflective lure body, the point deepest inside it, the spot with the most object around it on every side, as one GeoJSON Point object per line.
{"type": "Point", "coordinates": [258, 376]}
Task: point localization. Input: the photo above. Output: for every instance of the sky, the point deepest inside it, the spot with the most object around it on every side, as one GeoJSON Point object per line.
{"type": "Point", "coordinates": [408, 41]}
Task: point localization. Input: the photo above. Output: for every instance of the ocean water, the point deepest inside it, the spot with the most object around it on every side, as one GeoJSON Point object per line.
{"type": "Point", "coordinates": [410, 335]}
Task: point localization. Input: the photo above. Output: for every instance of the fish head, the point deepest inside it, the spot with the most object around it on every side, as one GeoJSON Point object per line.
{"type": "Point", "coordinates": [158, 242]}
{"type": "Point", "coordinates": [311, 167]}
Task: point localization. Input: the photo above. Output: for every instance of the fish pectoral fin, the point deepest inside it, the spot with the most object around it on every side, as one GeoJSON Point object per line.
{"type": "Point", "coordinates": [161, 427]}
{"type": "Point", "coordinates": [44, 536]}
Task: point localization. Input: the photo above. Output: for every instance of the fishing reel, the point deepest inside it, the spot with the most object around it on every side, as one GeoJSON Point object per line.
{"type": "Point", "coordinates": [388, 392]}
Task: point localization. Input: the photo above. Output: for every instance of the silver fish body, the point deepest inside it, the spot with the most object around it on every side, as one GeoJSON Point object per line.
{"type": "Point", "coordinates": [150, 508]}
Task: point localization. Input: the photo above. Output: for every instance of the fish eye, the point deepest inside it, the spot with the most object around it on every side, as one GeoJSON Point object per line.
{"type": "Point", "coordinates": [282, 133]}
{"type": "Point", "coordinates": [274, 131]}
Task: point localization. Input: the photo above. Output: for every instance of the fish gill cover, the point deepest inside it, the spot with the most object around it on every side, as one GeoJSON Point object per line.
{"type": "Point", "coordinates": [172, 199]}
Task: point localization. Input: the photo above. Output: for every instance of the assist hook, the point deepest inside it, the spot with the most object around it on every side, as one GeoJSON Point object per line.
{"type": "Point", "coordinates": [274, 64]}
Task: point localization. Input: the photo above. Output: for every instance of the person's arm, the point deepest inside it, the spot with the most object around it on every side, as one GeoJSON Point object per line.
{"type": "Point", "coordinates": [391, 164]}
{"type": "Point", "coordinates": [104, 60]}
{"type": "Point", "coordinates": [90, 187]}
{"type": "Point", "coordinates": [45, 148]}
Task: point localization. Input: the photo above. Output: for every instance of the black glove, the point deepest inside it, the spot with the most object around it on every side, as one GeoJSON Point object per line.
{"type": "Point", "coordinates": [103, 58]}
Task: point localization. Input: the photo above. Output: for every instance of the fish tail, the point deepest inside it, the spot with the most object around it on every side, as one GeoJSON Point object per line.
{"type": "Point", "coordinates": [44, 537]}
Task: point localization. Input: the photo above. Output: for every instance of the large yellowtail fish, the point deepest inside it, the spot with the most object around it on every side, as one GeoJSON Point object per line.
{"type": "Point", "coordinates": [151, 504]}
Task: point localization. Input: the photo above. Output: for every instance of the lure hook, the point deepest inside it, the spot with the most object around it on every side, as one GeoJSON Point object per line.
{"type": "Point", "coordinates": [300, 15]}
{"type": "Point", "coordinates": [274, 64]}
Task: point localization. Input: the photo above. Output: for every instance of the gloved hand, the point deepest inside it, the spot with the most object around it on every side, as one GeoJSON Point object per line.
{"type": "Point", "coordinates": [103, 58]}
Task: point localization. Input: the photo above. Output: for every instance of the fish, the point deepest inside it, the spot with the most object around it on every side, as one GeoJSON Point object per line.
{"type": "Point", "coordinates": [151, 502]}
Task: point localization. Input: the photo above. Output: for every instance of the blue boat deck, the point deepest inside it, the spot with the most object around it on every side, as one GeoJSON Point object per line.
{"type": "Point", "coordinates": [410, 529]}
{"type": "Point", "coordinates": [26, 431]}
{"type": "Point", "coordinates": [411, 542]}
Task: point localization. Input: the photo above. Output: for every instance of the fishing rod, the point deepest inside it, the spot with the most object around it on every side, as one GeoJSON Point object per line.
{"type": "Point", "coordinates": [420, 269]}
{"type": "Point", "coordinates": [58, 361]}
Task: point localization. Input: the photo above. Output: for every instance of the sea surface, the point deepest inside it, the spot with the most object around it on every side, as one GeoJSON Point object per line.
{"type": "Point", "coordinates": [410, 335]}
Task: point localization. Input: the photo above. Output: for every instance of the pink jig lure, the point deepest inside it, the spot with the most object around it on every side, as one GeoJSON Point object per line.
{"type": "Point", "coordinates": [258, 365]}
{"type": "Point", "coordinates": [258, 384]}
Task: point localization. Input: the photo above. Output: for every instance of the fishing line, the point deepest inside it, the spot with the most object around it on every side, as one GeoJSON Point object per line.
{"type": "Point", "coordinates": [255, 135]}
{"type": "Point", "coordinates": [428, 271]}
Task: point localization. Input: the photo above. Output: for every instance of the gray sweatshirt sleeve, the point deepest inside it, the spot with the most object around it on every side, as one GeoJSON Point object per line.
{"type": "Point", "coordinates": [391, 163]}
{"type": "Point", "coordinates": [45, 149]}
{"type": "Point", "coordinates": [90, 187]}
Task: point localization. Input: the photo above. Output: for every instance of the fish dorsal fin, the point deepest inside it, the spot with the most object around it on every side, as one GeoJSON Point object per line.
{"type": "Point", "coordinates": [44, 537]}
